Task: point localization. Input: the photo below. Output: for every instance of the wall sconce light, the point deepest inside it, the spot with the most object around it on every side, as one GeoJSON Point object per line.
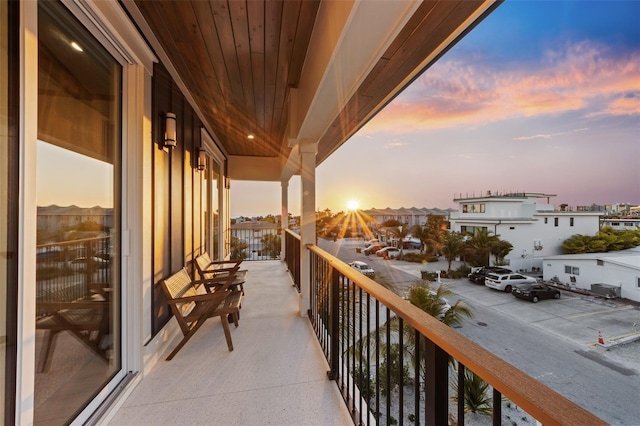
{"type": "Point", "coordinates": [202, 159]}
{"type": "Point", "coordinates": [170, 130]}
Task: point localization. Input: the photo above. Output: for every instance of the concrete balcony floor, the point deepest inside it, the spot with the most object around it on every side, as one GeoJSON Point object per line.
{"type": "Point", "coordinates": [276, 373]}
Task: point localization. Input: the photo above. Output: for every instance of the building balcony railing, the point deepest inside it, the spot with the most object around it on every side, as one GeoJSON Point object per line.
{"type": "Point", "coordinates": [292, 256]}
{"type": "Point", "coordinates": [251, 243]}
{"type": "Point", "coordinates": [65, 270]}
{"type": "Point", "coordinates": [391, 360]}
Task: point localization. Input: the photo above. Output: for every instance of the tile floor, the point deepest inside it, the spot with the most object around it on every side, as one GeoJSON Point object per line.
{"type": "Point", "coordinates": [275, 375]}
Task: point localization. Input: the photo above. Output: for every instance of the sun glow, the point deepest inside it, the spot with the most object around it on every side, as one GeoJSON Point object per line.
{"type": "Point", "coordinates": [353, 205]}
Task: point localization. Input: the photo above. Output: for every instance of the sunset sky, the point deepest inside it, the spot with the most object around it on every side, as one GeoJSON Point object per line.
{"type": "Point", "coordinates": [542, 96]}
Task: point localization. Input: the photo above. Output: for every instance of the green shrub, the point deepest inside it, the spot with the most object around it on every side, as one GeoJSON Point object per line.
{"type": "Point", "coordinates": [391, 367]}
{"type": "Point", "coordinates": [429, 275]}
{"type": "Point", "coordinates": [414, 257]}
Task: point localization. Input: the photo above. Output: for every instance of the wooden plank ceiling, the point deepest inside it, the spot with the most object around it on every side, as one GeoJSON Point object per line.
{"type": "Point", "coordinates": [239, 59]}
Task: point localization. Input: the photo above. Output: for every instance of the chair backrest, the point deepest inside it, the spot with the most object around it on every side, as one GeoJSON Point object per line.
{"type": "Point", "coordinates": [177, 286]}
{"type": "Point", "coordinates": [202, 263]}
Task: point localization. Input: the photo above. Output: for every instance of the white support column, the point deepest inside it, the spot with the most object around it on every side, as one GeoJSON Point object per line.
{"type": "Point", "coordinates": [308, 150]}
{"type": "Point", "coordinates": [285, 217]}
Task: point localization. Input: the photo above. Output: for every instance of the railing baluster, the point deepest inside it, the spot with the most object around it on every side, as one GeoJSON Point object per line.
{"type": "Point", "coordinates": [368, 373]}
{"type": "Point", "coordinates": [335, 325]}
{"type": "Point", "coordinates": [377, 360]}
{"type": "Point", "coordinates": [461, 384]}
{"type": "Point", "coordinates": [360, 351]}
{"type": "Point", "coordinates": [418, 377]}
{"type": "Point", "coordinates": [351, 348]}
{"type": "Point", "coordinates": [401, 371]}
{"type": "Point", "coordinates": [388, 358]}
{"type": "Point", "coordinates": [497, 408]}
{"type": "Point", "coordinates": [437, 385]}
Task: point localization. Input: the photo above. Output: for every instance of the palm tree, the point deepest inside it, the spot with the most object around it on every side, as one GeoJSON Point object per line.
{"type": "Point", "coordinates": [476, 398]}
{"type": "Point", "coordinates": [435, 228]}
{"type": "Point", "coordinates": [400, 232]}
{"type": "Point", "coordinates": [453, 246]}
{"type": "Point", "coordinates": [479, 246]}
{"type": "Point", "coordinates": [431, 301]}
{"type": "Point", "coordinates": [500, 249]}
{"type": "Point", "coordinates": [422, 234]}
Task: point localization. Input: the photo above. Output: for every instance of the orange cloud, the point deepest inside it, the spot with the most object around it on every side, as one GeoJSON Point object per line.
{"type": "Point", "coordinates": [580, 77]}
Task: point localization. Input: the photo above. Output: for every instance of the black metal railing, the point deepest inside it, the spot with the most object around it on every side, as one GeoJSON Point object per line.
{"type": "Point", "coordinates": [65, 271]}
{"type": "Point", "coordinates": [391, 360]}
{"type": "Point", "coordinates": [250, 243]}
{"type": "Point", "coordinates": [292, 255]}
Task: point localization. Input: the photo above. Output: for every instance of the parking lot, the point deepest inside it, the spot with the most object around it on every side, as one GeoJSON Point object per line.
{"type": "Point", "coordinates": [579, 318]}
{"type": "Point", "coordinates": [575, 317]}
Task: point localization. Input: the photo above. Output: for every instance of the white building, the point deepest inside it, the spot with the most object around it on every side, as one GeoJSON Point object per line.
{"type": "Point", "coordinates": [615, 269]}
{"type": "Point", "coordinates": [409, 216]}
{"type": "Point", "coordinates": [622, 223]}
{"type": "Point", "coordinates": [535, 229]}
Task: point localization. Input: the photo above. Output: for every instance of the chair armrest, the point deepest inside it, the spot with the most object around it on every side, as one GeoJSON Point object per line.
{"type": "Point", "coordinates": [211, 268]}
{"type": "Point", "coordinates": [216, 270]}
{"type": "Point", "coordinates": [220, 294]}
{"type": "Point", "coordinates": [217, 282]}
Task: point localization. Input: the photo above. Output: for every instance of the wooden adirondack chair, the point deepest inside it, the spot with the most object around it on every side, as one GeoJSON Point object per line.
{"type": "Point", "coordinates": [209, 269]}
{"type": "Point", "coordinates": [194, 301]}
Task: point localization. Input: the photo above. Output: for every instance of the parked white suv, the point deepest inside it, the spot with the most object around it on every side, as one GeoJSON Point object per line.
{"type": "Point", "coordinates": [506, 282]}
{"type": "Point", "coordinates": [363, 268]}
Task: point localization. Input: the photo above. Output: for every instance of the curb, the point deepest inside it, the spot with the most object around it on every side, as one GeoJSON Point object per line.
{"type": "Point", "coordinates": [618, 341]}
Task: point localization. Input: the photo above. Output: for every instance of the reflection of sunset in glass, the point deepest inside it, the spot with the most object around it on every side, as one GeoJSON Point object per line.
{"type": "Point", "coordinates": [66, 178]}
{"type": "Point", "coordinates": [353, 205]}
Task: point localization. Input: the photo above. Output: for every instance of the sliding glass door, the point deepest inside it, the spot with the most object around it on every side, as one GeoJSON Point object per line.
{"type": "Point", "coordinates": [78, 292]}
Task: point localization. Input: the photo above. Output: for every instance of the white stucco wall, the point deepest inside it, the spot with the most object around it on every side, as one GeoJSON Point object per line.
{"type": "Point", "coordinates": [617, 269]}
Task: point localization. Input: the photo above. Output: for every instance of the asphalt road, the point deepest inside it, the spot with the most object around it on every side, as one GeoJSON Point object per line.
{"type": "Point", "coordinates": [552, 341]}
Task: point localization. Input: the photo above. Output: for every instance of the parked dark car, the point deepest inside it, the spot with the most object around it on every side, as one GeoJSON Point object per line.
{"type": "Point", "coordinates": [371, 249]}
{"type": "Point", "coordinates": [479, 275]}
{"type": "Point", "coordinates": [535, 292]}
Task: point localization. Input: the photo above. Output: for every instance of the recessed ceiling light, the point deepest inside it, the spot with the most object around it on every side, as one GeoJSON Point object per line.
{"type": "Point", "coordinates": [250, 136]}
{"type": "Point", "coordinates": [76, 46]}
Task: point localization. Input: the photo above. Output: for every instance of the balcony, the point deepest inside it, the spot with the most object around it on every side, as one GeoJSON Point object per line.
{"type": "Point", "coordinates": [277, 373]}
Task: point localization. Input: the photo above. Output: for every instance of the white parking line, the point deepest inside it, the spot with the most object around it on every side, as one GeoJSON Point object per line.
{"type": "Point", "coordinates": [608, 311]}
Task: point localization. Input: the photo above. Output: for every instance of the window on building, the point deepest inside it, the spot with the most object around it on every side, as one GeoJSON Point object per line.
{"type": "Point", "coordinates": [599, 262]}
{"type": "Point", "coordinates": [638, 282]}
{"type": "Point", "coordinates": [573, 270]}
{"type": "Point", "coordinates": [473, 208]}
{"type": "Point", "coordinates": [512, 227]}
{"type": "Point", "coordinates": [555, 221]}
{"type": "Point", "coordinates": [546, 220]}
{"type": "Point", "coordinates": [570, 221]}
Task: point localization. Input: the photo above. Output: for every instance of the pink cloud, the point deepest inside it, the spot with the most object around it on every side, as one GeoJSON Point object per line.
{"type": "Point", "coordinates": [580, 77]}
